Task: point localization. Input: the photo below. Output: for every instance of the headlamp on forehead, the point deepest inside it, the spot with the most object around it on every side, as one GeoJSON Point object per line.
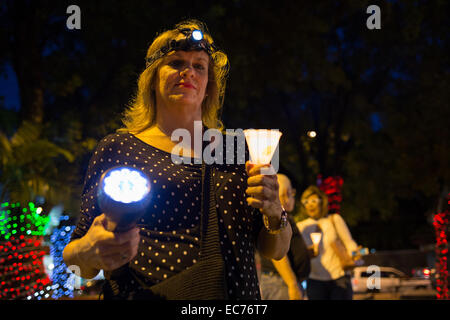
{"type": "Point", "coordinates": [194, 40]}
{"type": "Point", "coordinates": [197, 35]}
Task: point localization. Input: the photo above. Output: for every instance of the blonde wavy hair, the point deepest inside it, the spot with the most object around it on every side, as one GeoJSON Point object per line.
{"type": "Point", "coordinates": [140, 113]}
{"type": "Point", "coordinates": [323, 200]}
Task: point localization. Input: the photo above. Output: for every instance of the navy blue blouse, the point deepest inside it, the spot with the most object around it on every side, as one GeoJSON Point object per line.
{"type": "Point", "coordinates": [170, 228]}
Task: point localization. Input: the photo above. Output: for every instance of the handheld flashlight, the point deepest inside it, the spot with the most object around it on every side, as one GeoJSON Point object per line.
{"type": "Point", "coordinates": [123, 196]}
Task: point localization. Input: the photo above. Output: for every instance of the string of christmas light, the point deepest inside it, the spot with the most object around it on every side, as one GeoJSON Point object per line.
{"type": "Point", "coordinates": [441, 226]}
{"type": "Point", "coordinates": [22, 273]}
{"type": "Point", "coordinates": [332, 187]}
{"type": "Point", "coordinates": [15, 220]}
{"type": "Point", "coordinates": [63, 281]}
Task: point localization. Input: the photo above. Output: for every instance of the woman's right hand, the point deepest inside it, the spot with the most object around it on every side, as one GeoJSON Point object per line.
{"type": "Point", "coordinates": [103, 249]}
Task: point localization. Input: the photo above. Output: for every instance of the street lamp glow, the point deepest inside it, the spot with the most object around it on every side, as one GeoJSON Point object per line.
{"type": "Point", "coordinates": [312, 134]}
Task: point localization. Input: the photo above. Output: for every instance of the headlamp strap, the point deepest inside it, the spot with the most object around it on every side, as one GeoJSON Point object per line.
{"type": "Point", "coordinates": [186, 44]}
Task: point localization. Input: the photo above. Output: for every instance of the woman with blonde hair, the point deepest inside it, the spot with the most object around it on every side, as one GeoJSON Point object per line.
{"type": "Point", "coordinates": [327, 279]}
{"type": "Point", "coordinates": [197, 238]}
{"type": "Point", "coordinates": [142, 112]}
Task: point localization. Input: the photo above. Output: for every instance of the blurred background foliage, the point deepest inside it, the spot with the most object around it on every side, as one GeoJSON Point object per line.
{"type": "Point", "coordinates": [377, 99]}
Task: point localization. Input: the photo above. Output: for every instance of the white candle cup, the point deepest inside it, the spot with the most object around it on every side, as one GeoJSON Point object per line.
{"type": "Point", "coordinates": [316, 237]}
{"type": "Point", "coordinates": [262, 144]}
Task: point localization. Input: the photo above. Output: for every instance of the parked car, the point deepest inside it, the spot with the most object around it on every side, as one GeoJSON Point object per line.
{"type": "Point", "coordinates": [426, 273]}
{"type": "Point", "coordinates": [423, 272]}
{"type": "Point", "coordinates": [390, 280]}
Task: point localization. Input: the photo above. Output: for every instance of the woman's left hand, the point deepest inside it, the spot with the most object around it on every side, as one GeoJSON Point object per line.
{"type": "Point", "coordinates": [263, 191]}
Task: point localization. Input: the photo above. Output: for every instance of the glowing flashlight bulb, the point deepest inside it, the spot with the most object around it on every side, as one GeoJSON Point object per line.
{"type": "Point", "coordinates": [123, 196]}
{"type": "Point", "coordinates": [197, 35]}
{"type": "Point", "coordinates": [126, 186]}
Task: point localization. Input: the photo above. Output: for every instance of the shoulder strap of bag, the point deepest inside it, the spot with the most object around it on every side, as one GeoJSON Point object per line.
{"type": "Point", "coordinates": [209, 221]}
{"type": "Point", "coordinates": [206, 278]}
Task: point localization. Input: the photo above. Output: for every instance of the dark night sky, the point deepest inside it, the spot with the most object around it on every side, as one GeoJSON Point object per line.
{"type": "Point", "coordinates": [9, 88]}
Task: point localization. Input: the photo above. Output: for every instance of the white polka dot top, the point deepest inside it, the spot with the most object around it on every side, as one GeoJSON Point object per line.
{"type": "Point", "coordinates": [170, 228]}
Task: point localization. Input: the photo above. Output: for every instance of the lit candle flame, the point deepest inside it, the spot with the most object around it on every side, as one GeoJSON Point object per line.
{"type": "Point", "coordinates": [315, 237]}
{"type": "Point", "coordinates": [262, 144]}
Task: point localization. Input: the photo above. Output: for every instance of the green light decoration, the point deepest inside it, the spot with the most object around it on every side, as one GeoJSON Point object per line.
{"type": "Point", "coordinates": [27, 221]}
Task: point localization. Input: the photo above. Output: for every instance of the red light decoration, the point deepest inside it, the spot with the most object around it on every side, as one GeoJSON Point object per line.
{"type": "Point", "coordinates": [441, 226]}
{"type": "Point", "coordinates": [22, 272]}
{"type": "Point", "coordinates": [332, 187]}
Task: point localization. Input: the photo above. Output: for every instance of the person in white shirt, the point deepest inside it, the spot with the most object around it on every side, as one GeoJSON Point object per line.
{"type": "Point", "coordinates": [327, 279]}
